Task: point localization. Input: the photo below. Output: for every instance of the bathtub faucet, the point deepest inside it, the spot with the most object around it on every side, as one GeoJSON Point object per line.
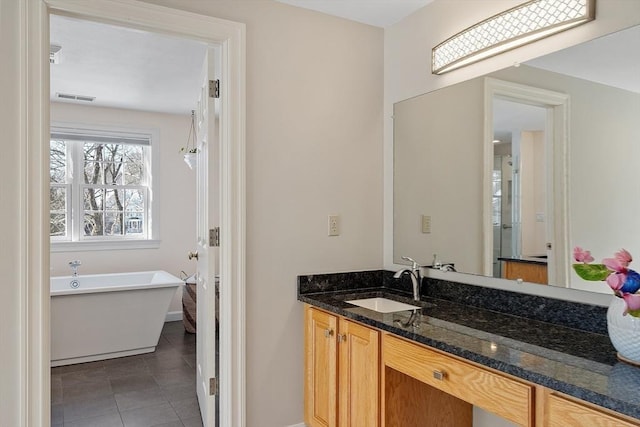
{"type": "Point", "coordinates": [74, 267]}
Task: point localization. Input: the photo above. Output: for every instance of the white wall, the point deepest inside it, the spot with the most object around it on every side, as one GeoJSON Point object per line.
{"type": "Point", "coordinates": [314, 148]}
{"type": "Point", "coordinates": [407, 61]}
{"type": "Point", "coordinates": [533, 192]}
{"type": "Point", "coordinates": [177, 196]}
{"type": "Point", "coordinates": [438, 149]}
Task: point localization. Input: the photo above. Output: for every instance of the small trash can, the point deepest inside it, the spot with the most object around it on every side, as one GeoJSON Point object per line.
{"type": "Point", "coordinates": [189, 300]}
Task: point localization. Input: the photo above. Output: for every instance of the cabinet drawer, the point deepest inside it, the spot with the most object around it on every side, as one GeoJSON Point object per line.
{"type": "Point", "coordinates": [503, 396]}
{"type": "Point", "coordinates": [563, 412]}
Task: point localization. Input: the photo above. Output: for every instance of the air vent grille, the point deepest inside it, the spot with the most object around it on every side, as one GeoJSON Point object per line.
{"type": "Point", "coordinates": [75, 97]}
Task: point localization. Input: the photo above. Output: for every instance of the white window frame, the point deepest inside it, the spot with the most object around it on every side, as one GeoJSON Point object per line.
{"type": "Point", "coordinates": [75, 241]}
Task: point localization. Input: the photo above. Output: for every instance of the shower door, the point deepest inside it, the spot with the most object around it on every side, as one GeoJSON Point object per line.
{"type": "Point", "coordinates": [502, 201]}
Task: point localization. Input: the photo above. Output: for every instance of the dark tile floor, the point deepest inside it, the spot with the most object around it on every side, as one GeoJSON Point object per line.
{"type": "Point", "coordinates": [154, 389]}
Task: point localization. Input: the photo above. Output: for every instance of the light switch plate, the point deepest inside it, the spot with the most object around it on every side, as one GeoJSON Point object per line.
{"type": "Point", "coordinates": [426, 223]}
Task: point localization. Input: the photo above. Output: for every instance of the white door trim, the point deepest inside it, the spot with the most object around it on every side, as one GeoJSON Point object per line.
{"type": "Point", "coordinates": [231, 37]}
{"type": "Point", "coordinates": [557, 180]}
{"type": "Point", "coordinates": [33, 238]}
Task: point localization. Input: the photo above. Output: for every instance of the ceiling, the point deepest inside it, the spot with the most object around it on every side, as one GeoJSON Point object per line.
{"type": "Point", "coordinates": [612, 60]}
{"type": "Point", "coordinates": [125, 68]}
{"type": "Point", "coordinates": [380, 13]}
{"type": "Point", "coordinates": [133, 69]}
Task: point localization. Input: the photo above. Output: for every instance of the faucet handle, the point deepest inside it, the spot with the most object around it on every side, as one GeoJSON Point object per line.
{"type": "Point", "coordinates": [75, 263]}
{"type": "Point", "coordinates": [414, 265]}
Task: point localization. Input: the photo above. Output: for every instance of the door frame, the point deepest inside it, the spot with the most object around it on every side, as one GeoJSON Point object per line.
{"type": "Point", "coordinates": [557, 105]}
{"type": "Point", "coordinates": [34, 115]}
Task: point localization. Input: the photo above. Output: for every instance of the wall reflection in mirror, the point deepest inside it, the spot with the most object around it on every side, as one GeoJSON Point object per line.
{"type": "Point", "coordinates": [543, 186]}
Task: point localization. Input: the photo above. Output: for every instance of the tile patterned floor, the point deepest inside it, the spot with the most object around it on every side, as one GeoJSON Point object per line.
{"type": "Point", "coordinates": [154, 389]}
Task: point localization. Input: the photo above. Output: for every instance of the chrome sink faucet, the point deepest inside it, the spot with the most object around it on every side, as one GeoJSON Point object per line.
{"type": "Point", "coordinates": [74, 267]}
{"type": "Point", "coordinates": [414, 273]}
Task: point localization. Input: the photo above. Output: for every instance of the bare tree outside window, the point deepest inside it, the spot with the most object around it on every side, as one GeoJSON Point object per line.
{"type": "Point", "coordinates": [113, 189]}
{"type": "Point", "coordinates": [108, 170]}
{"type": "Point", "coordinates": [58, 189]}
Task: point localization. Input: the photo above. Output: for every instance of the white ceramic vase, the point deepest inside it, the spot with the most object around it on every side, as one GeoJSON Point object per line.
{"type": "Point", "coordinates": [624, 331]}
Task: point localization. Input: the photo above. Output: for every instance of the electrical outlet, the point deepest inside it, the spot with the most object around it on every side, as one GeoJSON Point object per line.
{"type": "Point", "coordinates": [426, 223]}
{"type": "Point", "coordinates": [334, 225]}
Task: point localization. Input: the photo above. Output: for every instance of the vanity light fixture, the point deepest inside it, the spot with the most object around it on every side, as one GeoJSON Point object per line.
{"type": "Point", "coordinates": [512, 28]}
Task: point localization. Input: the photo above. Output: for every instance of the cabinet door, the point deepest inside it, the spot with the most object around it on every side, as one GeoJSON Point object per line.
{"type": "Point", "coordinates": [534, 273]}
{"type": "Point", "coordinates": [320, 369]}
{"type": "Point", "coordinates": [563, 412]}
{"type": "Point", "coordinates": [359, 375]}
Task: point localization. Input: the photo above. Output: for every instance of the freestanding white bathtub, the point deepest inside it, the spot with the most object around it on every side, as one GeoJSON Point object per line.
{"type": "Point", "coordinates": [108, 315]}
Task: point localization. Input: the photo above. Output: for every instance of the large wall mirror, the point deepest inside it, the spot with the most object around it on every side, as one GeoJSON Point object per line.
{"type": "Point", "coordinates": [483, 176]}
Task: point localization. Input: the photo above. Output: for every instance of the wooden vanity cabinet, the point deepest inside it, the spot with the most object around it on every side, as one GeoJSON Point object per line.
{"type": "Point", "coordinates": [468, 383]}
{"type": "Point", "coordinates": [564, 412]}
{"type": "Point", "coordinates": [342, 362]}
{"type": "Point", "coordinates": [356, 376]}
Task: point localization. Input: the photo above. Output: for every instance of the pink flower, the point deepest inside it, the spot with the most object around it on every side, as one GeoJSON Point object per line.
{"type": "Point", "coordinates": [624, 281]}
{"type": "Point", "coordinates": [623, 257]}
{"type": "Point", "coordinates": [581, 255]}
{"type": "Point", "coordinates": [615, 265]}
{"type": "Point", "coordinates": [616, 280]}
{"type": "Point", "coordinates": [633, 302]}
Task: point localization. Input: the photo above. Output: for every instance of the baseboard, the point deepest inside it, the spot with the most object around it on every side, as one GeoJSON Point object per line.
{"type": "Point", "coordinates": [298, 425]}
{"type": "Point", "coordinates": [173, 316]}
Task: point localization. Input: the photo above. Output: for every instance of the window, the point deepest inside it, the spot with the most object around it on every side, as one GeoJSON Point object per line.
{"type": "Point", "coordinates": [100, 186]}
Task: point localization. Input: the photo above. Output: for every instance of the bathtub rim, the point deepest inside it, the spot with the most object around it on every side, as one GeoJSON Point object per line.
{"type": "Point", "coordinates": [166, 280]}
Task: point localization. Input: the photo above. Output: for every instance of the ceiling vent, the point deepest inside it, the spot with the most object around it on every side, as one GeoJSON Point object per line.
{"type": "Point", "coordinates": [54, 54]}
{"type": "Point", "coordinates": [71, 97]}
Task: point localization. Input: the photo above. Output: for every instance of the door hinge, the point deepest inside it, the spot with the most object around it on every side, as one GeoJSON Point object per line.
{"type": "Point", "coordinates": [213, 386]}
{"type": "Point", "coordinates": [214, 237]}
{"type": "Point", "coordinates": [214, 88]}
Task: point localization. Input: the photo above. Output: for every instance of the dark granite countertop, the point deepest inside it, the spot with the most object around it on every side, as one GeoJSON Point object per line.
{"type": "Point", "coordinates": [541, 260]}
{"type": "Point", "coordinates": [576, 362]}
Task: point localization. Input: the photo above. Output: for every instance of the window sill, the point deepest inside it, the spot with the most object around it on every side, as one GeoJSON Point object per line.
{"type": "Point", "coordinates": [58, 246]}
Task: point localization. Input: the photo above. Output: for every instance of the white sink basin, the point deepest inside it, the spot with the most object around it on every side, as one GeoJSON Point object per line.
{"type": "Point", "coordinates": [382, 305]}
